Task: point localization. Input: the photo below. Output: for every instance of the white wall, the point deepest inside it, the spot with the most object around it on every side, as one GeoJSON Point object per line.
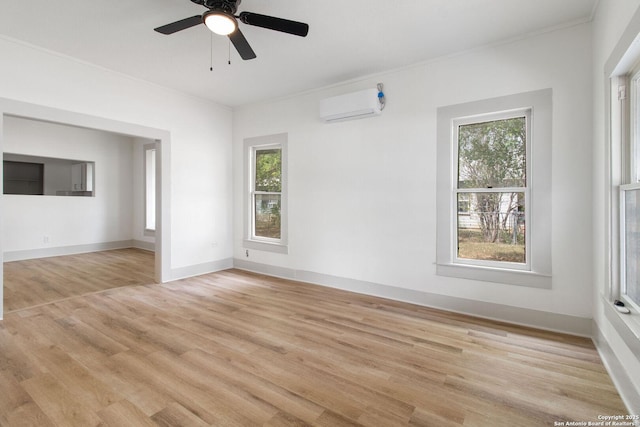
{"type": "Point", "coordinates": [362, 193]}
{"type": "Point", "coordinates": [200, 140]}
{"type": "Point", "coordinates": [40, 222]}
{"type": "Point", "coordinates": [611, 19]}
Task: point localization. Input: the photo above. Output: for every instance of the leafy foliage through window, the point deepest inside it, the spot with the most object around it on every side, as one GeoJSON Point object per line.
{"type": "Point", "coordinates": [492, 180]}
{"type": "Point", "coordinates": [267, 193]}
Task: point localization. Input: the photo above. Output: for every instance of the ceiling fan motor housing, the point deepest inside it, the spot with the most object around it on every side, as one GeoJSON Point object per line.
{"type": "Point", "coordinates": [228, 6]}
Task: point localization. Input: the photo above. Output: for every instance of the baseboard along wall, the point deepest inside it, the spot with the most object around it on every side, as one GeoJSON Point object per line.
{"type": "Point", "coordinates": [520, 316]}
{"type": "Point", "coordinates": [75, 249]}
{"type": "Point", "coordinates": [619, 375]}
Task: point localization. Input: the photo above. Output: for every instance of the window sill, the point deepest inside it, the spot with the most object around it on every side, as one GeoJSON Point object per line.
{"type": "Point", "coordinates": [278, 248]}
{"type": "Point", "coordinates": [495, 275]}
{"type": "Point", "coordinates": [627, 325]}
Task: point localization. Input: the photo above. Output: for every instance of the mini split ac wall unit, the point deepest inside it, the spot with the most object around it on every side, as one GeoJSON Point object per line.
{"type": "Point", "coordinates": [355, 105]}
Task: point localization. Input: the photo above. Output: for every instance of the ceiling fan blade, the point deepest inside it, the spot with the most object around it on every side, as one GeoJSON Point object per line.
{"type": "Point", "coordinates": [272, 23]}
{"type": "Point", "coordinates": [242, 45]}
{"type": "Point", "coordinates": [183, 24]}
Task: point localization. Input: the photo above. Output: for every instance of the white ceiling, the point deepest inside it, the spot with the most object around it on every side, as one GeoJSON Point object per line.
{"type": "Point", "coordinates": [347, 39]}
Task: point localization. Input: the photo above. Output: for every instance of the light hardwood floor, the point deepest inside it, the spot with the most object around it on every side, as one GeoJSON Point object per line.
{"type": "Point", "coordinates": [239, 349]}
{"type": "Point", "coordinates": [39, 281]}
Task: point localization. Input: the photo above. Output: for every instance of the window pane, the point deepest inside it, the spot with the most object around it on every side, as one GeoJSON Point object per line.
{"type": "Point", "coordinates": [632, 245]}
{"type": "Point", "coordinates": [492, 154]}
{"type": "Point", "coordinates": [267, 215]}
{"type": "Point", "coordinates": [494, 228]}
{"type": "Point", "coordinates": [269, 170]}
{"type": "Point", "coordinates": [634, 161]}
{"type": "Point", "coordinates": [463, 204]}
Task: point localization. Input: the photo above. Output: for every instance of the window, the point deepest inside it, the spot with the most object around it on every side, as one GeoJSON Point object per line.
{"type": "Point", "coordinates": [492, 181]}
{"type": "Point", "coordinates": [630, 244]}
{"type": "Point", "coordinates": [630, 201]}
{"type": "Point", "coordinates": [266, 192]}
{"type": "Point", "coordinates": [489, 229]}
{"type": "Point", "coordinates": [149, 188]}
{"type": "Point", "coordinates": [265, 222]}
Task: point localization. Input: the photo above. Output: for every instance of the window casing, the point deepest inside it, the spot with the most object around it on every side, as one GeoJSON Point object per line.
{"type": "Point", "coordinates": [266, 193]}
{"type": "Point", "coordinates": [518, 203]}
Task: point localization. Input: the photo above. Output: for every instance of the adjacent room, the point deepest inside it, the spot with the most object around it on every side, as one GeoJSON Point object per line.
{"type": "Point", "coordinates": [92, 196]}
{"type": "Point", "coordinates": [225, 212]}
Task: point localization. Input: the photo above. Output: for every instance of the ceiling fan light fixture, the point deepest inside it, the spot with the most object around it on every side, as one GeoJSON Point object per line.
{"type": "Point", "coordinates": [220, 22]}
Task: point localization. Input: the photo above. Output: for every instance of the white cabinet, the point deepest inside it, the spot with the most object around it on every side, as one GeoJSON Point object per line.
{"type": "Point", "coordinates": [82, 177]}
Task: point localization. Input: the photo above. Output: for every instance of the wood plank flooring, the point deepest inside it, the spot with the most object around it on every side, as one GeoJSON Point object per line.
{"type": "Point", "coordinates": [239, 349]}
{"type": "Point", "coordinates": [39, 281]}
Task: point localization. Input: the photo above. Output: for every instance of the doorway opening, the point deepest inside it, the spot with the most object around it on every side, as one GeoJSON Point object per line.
{"type": "Point", "coordinates": [114, 217]}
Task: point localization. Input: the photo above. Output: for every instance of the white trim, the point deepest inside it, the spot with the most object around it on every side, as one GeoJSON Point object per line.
{"type": "Point", "coordinates": [519, 316]}
{"type": "Point", "coordinates": [141, 244]}
{"type": "Point", "coordinates": [619, 375]}
{"type": "Point", "coordinates": [495, 275]}
{"type": "Point", "coordinates": [200, 269]}
{"type": "Point", "coordinates": [265, 246]}
{"type": "Point", "coordinates": [539, 188]}
{"type": "Point", "coordinates": [625, 325]}
{"type": "Point", "coordinates": [67, 250]}
{"type": "Point", "coordinates": [1, 216]}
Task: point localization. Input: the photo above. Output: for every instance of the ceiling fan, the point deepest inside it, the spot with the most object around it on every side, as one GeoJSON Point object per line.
{"type": "Point", "coordinates": [221, 19]}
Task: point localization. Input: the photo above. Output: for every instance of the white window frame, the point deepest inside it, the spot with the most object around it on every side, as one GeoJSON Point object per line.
{"type": "Point", "coordinates": [623, 268]}
{"type": "Point", "coordinates": [628, 97]}
{"type": "Point", "coordinates": [536, 272]}
{"type": "Point", "coordinates": [251, 241]}
{"type": "Point", "coordinates": [149, 193]}
{"type": "Point", "coordinates": [503, 115]}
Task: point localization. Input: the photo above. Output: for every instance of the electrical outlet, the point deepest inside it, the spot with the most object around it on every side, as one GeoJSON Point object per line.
{"type": "Point", "coordinates": [247, 253]}
{"type": "Point", "coordinates": [45, 239]}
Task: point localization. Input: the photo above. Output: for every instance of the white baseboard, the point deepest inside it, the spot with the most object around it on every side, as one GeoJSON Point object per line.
{"type": "Point", "coordinates": [141, 244]}
{"type": "Point", "coordinates": [65, 250]}
{"type": "Point", "coordinates": [619, 375]}
{"type": "Point", "coordinates": [520, 316]}
{"type": "Point", "coordinates": [199, 269]}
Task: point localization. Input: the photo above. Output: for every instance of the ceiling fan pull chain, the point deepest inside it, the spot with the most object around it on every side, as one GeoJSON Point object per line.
{"type": "Point", "coordinates": [211, 55]}
{"type": "Point", "coordinates": [229, 60]}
